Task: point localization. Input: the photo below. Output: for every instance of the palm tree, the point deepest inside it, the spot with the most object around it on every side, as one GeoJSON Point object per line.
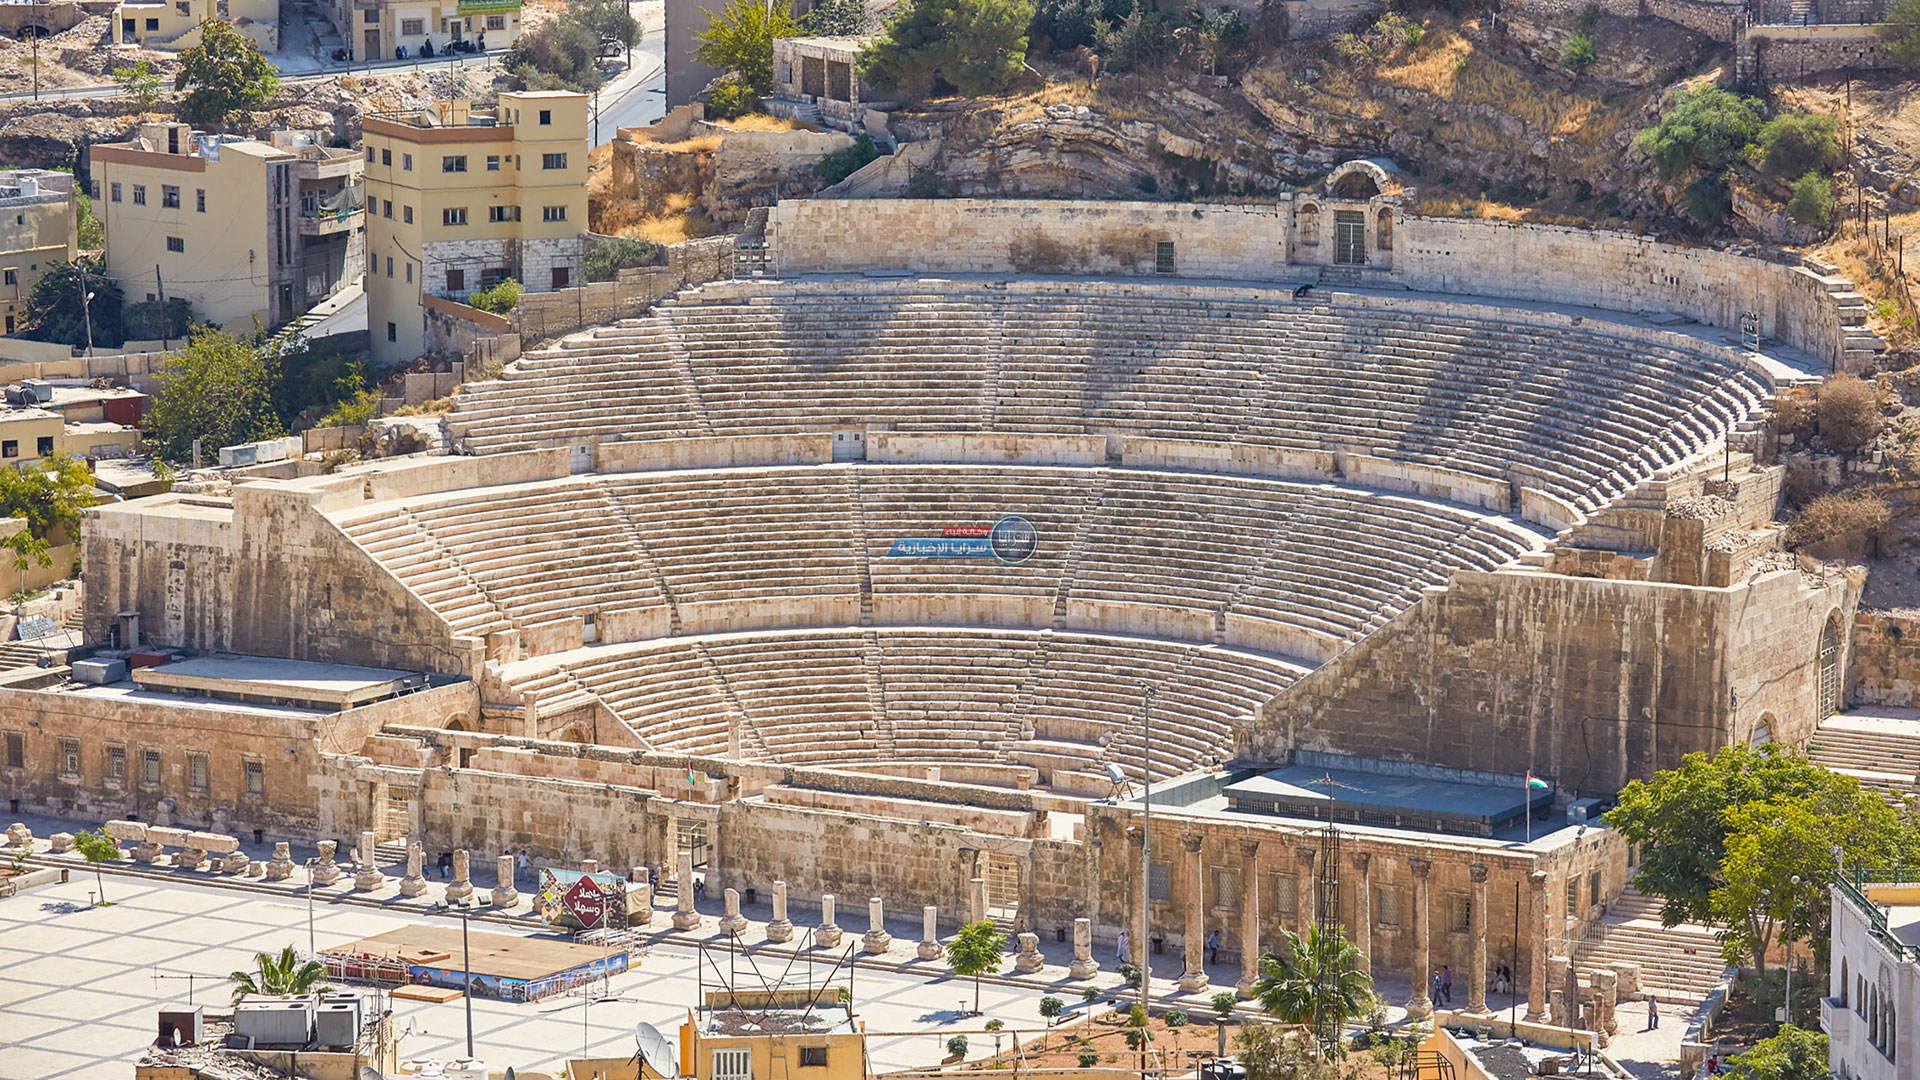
{"type": "Point", "coordinates": [285, 974]}
{"type": "Point", "coordinates": [1315, 975]}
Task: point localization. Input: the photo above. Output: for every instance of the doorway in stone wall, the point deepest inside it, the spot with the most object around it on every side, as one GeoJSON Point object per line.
{"type": "Point", "coordinates": [1003, 888]}
{"type": "Point", "coordinates": [1349, 236]}
{"type": "Point", "coordinates": [395, 818]}
{"type": "Point", "coordinates": [690, 835]}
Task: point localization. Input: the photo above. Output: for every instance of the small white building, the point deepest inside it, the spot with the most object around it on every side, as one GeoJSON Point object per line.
{"type": "Point", "coordinates": [1871, 1013]}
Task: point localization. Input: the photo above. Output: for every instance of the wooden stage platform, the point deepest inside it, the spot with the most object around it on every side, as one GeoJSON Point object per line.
{"type": "Point", "coordinates": [504, 966]}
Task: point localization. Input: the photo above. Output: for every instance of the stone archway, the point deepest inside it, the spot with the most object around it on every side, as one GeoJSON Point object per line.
{"type": "Point", "coordinates": [1828, 669]}
{"type": "Point", "coordinates": [1762, 732]}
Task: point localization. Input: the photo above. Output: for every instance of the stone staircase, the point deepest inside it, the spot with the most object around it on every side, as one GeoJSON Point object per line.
{"type": "Point", "coordinates": [1678, 964]}
{"type": "Point", "coordinates": [1880, 747]}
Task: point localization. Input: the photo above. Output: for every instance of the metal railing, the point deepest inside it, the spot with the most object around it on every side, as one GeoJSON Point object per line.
{"type": "Point", "coordinates": [1853, 885]}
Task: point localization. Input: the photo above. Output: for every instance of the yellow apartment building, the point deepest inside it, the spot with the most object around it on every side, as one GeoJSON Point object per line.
{"type": "Point", "coordinates": [376, 29]}
{"type": "Point", "coordinates": [248, 231]}
{"type": "Point", "coordinates": [38, 227]}
{"type": "Point", "coordinates": [771, 1040]}
{"type": "Point", "coordinates": [173, 25]}
{"type": "Point", "coordinates": [459, 200]}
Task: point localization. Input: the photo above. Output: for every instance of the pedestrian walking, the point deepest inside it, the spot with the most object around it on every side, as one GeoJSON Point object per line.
{"type": "Point", "coordinates": [1123, 951]}
{"type": "Point", "coordinates": [522, 865]}
{"type": "Point", "coordinates": [1653, 1013]}
{"type": "Point", "coordinates": [1433, 989]}
{"type": "Point", "coordinates": [1446, 982]}
{"type": "Point", "coordinates": [1213, 947]}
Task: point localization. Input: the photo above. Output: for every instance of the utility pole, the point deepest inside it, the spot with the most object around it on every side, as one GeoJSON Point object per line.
{"type": "Point", "coordinates": [1146, 845]}
{"type": "Point", "coordinates": [35, 31]}
{"type": "Point", "coordinates": [86, 305]}
{"type": "Point", "coordinates": [165, 344]}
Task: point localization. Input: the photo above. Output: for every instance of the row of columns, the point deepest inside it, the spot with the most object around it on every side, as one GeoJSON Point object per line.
{"type": "Point", "coordinates": [1419, 1002]}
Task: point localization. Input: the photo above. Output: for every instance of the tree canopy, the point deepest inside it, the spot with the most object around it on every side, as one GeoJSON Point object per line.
{"type": "Point", "coordinates": [836, 18]}
{"type": "Point", "coordinates": [140, 83]}
{"type": "Point", "coordinates": [1312, 973]}
{"type": "Point", "coordinates": [1900, 29]}
{"type": "Point", "coordinates": [279, 974]}
{"type": "Point", "coordinates": [97, 847]}
{"type": "Point", "coordinates": [1793, 1054]}
{"type": "Point", "coordinates": [1798, 143]}
{"type": "Point", "coordinates": [975, 46]}
{"type": "Point", "coordinates": [51, 494]}
{"type": "Point", "coordinates": [218, 390]}
{"type": "Point", "coordinates": [225, 78]}
{"type": "Point", "coordinates": [55, 311]}
{"type": "Point", "coordinates": [975, 951]}
{"type": "Point", "coordinates": [741, 39]}
{"type": "Point", "coordinates": [1699, 139]}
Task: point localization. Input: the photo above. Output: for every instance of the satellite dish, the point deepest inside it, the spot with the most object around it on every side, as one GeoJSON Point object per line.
{"type": "Point", "coordinates": [655, 1050]}
{"type": "Point", "coordinates": [368, 1072]}
{"type": "Point", "coordinates": [510, 1073]}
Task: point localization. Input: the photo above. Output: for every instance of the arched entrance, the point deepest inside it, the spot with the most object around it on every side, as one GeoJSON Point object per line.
{"type": "Point", "coordinates": [1762, 732]}
{"type": "Point", "coordinates": [1829, 660]}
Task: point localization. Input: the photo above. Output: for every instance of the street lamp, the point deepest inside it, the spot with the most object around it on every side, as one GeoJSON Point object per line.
{"type": "Point", "coordinates": [466, 966]}
{"type": "Point", "coordinates": [1792, 895]}
{"type": "Point", "coordinates": [311, 950]}
{"type": "Point", "coordinates": [1146, 843]}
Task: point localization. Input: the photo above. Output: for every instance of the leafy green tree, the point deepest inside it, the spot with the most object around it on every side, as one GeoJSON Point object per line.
{"type": "Point", "coordinates": [140, 83]}
{"type": "Point", "coordinates": [1314, 973]}
{"type": "Point", "coordinates": [150, 319]}
{"type": "Point", "coordinates": [499, 299]}
{"type": "Point", "coordinates": [559, 54]}
{"type": "Point", "coordinates": [1699, 139]}
{"type": "Point", "coordinates": [606, 20]}
{"type": "Point", "coordinates": [281, 974]}
{"type": "Point", "coordinates": [731, 97]}
{"type": "Point", "coordinates": [975, 46]}
{"type": "Point", "coordinates": [1793, 1054]}
{"type": "Point", "coordinates": [975, 951]}
{"type": "Point", "coordinates": [1900, 29]}
{"type": "Point", "coordinates": [1812, 201]}
{"type": "Point", "coordinates": [225, 78]}
{"type": "Point", "coordinates": [957, 1046]}
{"type": "Point", "coordinates": [609, 257]}
{"type": "Point", "coordinates": [55, 310]}
{"type": "Point", "coordinates": [1798, 143]}
{"type": "Point", "coordinates": [840, 164]}
{"type": "Point", "coordinates": [308, 373]}
{"type": "Point", "coordinates": [97, 847]}
{"type": "Point", "coordinates": [1051, 1008]}
{"type": "Point", "coordinates": [92, 234]}
{"type": "Point", "coordinates": [51, 494]}
{"type": "Point", "coordinates": [1578, 52]}
{"type": "Point", "coordinates": [1269, 1053]}
{"type": "Point", "coordinates": [836, 18]}
{"type": "Point", "coordinates": [741, 39]}
{"type": "Point", "coordinates": [219, 390]}
{"type": "Point", "coordinates": [1143, 39]}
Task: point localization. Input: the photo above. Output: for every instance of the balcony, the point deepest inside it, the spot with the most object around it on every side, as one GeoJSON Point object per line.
{"type": "Point", "coordinates": [329, 222]}
{"type": "Point", "coordinates": [1834, 1017]}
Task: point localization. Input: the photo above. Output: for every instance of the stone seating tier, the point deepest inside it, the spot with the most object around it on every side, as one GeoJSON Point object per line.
{"type": "Point", "coordinates": [1583, 412]}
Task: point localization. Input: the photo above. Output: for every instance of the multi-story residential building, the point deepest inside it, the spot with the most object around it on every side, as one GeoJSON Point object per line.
{"type": "Point", "coordinates": [378, 29]}
{"type": "Point", "coordinates": [459, 200]}
{"type": "Point", "coordinates": [172, 25]}
{"type": "Point", "coordinates": [1872, 1006]}
{"type": "Point", "coordinates": [38, 227]}
{"type": "Point", "coordinates": [248, 231]}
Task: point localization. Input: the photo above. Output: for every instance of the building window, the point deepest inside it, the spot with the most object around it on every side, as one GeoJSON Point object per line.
{"type": "Point", "coordinates": [454, 163]}
{"type": "Point", "coordinates": [389, 266]}
{"type": "Point", "coordinates": [553, 161]}
{"type": "Point", "coordinates": [13, 277]}
{"type": "Point", "coordinates": [493, 162]}
{"type": "Point", "coordinates": [733, 1065]}
{"type": "Point", "coordinates": [409, 273]}
{"type": "Point", "coordinates": [453, 215]}
{"type": "Point", "coordinates": [150, 766]}
{"type": "Point", "coordinates": [10, 448]}
{"type": "Point", "coordinates": [116, 765]}
{"type": "Point", "coordinates": [44, 445]}
{"type": "Point", "coordinates": [497, 214]}
{"type": "Point", "coordinates": [413, 27]}
{"type": "Point", "coordinates": [813, 1057]}
{"type": "Point", "coordinates": [1573, 896]}
{"type": "Point", "coordinates": [16, 750]}
{"type": "Point", "coordinates": [116, 191]}
{"type": "Point", "coordinates": [392, 332]}
{"type": "Point", "coordinates": [1226, 889]}
{"type": "Point", "coordinates": [256, 777]}
{"type": "Point", "coordinates": [546, 117]}
{"type": "Point", "coordinates": [1285, 891]}
{"type": "Point", "coordinates": [139, 194]}
{"type": "Point", "coordinates": [176, 244]}
{"type": "Point", "coordinates": [1157, 882]}
{"type": "Point", "coordinates": [153, 24]}
{"type": "Point", "coordinates": [1593, 887]}
{"type": "Point", "coordinates": [562, 276]}
{"type": "Point", "coordinates": [386, 156]}
{"type": "Point", "coordinates": [456, 280]}
{"type": "Point", "coordinates": [1386, 905]}
{"type": "Point", "coordinates": [169, 197]}
{"type": "Point", "coordinates": [69, 757]}
{"type": "Point", "coordinates": [372, 16]}
{"type": "Point", "coordinates": [1459, 913]}
{"type": "Point", "coordinates": [1163, 257]}
{"type": "Point", "coordinates": [196, 772]}
{"type": "Point", "coordinates": [386, 208]}
{"type": "Point", "coordinates": [553, 213]}
{"type": "Point", "coordinates": [406, 162]}
{"type": "Point", "coordinates": [200, 199]}
{"type": "Point", "coordinates": [406, 214]}
{"type": "Point", "coordinates": [496, 22]}
{"type": "Point", "coordinates": [183, 7]}
{"type": "Point", "coordinates": [369, 149]}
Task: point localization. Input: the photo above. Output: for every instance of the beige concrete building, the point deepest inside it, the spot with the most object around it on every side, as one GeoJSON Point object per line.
{"type": "Point", "coordinates": [38, 227]}
{"type": "Point", "coordinates": [458, 201]}
{"type": "Point", "coordinates": [173, 25]}
{"type": "Point", "coordinates": [250, 232]}
{"type": "Point", "coordinates": [377, 29]}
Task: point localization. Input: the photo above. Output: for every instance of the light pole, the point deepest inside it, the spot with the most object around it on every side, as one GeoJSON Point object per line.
{"type": "Point", "coordinates": [1792, 895]}
{"type": "Point", "coordinates": [1146, 841]}
{"type": "Point", "coordinates": [311, 950]}
{"type": "Point", "coordinates": [466, 968]}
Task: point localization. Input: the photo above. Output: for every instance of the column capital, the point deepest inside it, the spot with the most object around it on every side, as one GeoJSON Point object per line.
{"type": "Point", "coordinates": [1305, 855]}
{"type": "Point", "coordinates": [1478, 872]}
{"type": "Point", "coordinates": [1362, 860]}
{"type": "Point", "coordinates": [1136, 836]}
{"type": "Point", "coordinates": [1420, 867]}
{"type": "Point", "coordinates": [1191, 842]}
{"type": "Point", "coordinates": [1249, 849]}
{"type": "Point", "coordinates": [1537, 881]}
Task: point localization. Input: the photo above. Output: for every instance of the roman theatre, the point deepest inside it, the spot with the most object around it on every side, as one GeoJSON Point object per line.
{"type": "Point", "coordinates": [1335, 510]}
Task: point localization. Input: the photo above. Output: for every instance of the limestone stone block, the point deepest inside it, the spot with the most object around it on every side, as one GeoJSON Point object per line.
{"type": "Point", "coordinates": [685, 917]}
{"type": "Point", "coordinates": [163, 813]}
{"type": "Point", "coordinates": [589, 866]}
{"type": "Point", "coordinates": [642, 894]}
{"type": "Point", "coordinates": [147, 852]}
{"type": "Point", "coordinates": [190, 858]}
{"type": "Point", "coordinates": [325, 870]}
{"type": "Point", "coordinates": [280, 867]}
{"type": "Point", "coordinates": [415, 883]}
{"type": "Point", "coordinates": [733, 922]}
{"type": "Point", "coordinates": [256, 868]}
{"type": "Point", "coordinates": [128, 831]}
{"type": "Point", "coordinates": [781, 928]}
{"type": "Point", "coordinates": [213, 842]}
{"type": "Point", "coordinates": [235, 862]}
{"type": "Point", "coordinates": [166, 836]}
{"type": "Point", "coordinates": [929, 948]}
{"type": "Point", "coordinates": [1029, 960]}
{"type": "Point", "coordinates": [876, 939]}
{"type": "Point", "coordinates": [827, 935]}
{"type": "Point", "coordinates": [1084, 966]}
{"type": "Point", "coordinates": [369, 879]}
{"type": "Point", "coordinates": [61, 843]}
{"type": "Point", "coordinates": [461, 887]}
{"type": "Point", "coordinates": [18, 835]}
{"type": "Point", "coordinates": [1628, 975]}
{"type": "Point", "coordinates": [504, 895]}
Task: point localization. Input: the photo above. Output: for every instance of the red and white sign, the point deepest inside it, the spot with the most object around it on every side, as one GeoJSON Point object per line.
{"type": "Point", "coordinates": [584, 901]}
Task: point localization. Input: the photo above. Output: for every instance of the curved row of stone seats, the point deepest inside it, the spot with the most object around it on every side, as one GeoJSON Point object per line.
{"type": "Point", "coordinates": [848, 696]}
{"type": "Point", "coordinates": [1583, 412]}
{"type": "Point", "coordinates": [410, 554]}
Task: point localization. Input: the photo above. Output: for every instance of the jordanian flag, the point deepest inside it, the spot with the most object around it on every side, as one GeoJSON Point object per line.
{"type": "Point", "coordinates": [1535, 782]}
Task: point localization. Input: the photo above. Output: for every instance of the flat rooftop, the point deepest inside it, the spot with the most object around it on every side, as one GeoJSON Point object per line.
{"type": "Point", "coordinates": [340, 686]}
{"type": "Point", "coordinates": [502, 956]}
{"type": "Point", "coordinates": [1306, 788]}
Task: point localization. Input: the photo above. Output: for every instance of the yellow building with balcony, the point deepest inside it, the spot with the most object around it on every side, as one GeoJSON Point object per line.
{"type": "Point", "coordinates": [174, 25]}
{"type": "Point", "coordinates": [376, 29]}
{"type": "Point", "coordinates": [37, 229]}
{"type": "Point", "coordinates": [457, 201]}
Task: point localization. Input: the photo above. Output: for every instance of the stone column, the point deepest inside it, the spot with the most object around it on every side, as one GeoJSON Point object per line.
{"type": "Point", "coordinates": [1418, 1003]}
{"type": "Point", "coordinates": [828, 935]}
{"type": "Point", "coordinates": [976, 900]}
{"type": "Point", "coordinates": [1477, 932]}
{"type": "Point", "coordinates": [684, 915]}
{"type": "Point", "coordinates": [733, 922]}
{"type": "Point", "coordinates": [1029, 960]}
{"type": "Point", "coordinates": [504, 895]}
{"type": "Point", "coordinates": [781, 928]}
{"type": "Point", "coordinates": [876, 939]}
{"type": "Point", "coordinates": [1307, 908]}
{"type": "Point", "coordinates": [462, 885]}
{"type": "Point", "coordinates": [1363, 911]}
{"type": "Point", "coordinates": [1249, 917]}
{"type": "Point", "coordinates": [1084, 965]}
{"type": "Point", "coordinates": [415, 883]}
{"type": "Point", "coordinates": [280, 867]}
{"type": "Point", "coordinates": [1606, 994]}
{"type": "Point", "coordinates": [1537, 948]}
{"type": "Point", "coordinates": [1195, 977]}
{"type": "Point", "coordinates": [929, 933]}
{"type": "Point", "coordinates": [369, 878]}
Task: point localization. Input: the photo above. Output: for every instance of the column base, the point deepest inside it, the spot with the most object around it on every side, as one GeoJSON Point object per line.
{"type": "Point", "coordinates": [1534, 1016]}
{"type": "Point", "coordinates": [876, 941]}
{"type": "Point", "coordinates": [780, 931]}
{"type": "Point", "coordinates": [733, 924]}
{"type": "Point", "coordinates": [1419, 1007]}
{"type": "Point", "coordinates": [413, 886]}
{"type": "Point", "coordinates": [1084, 969]}
{"type": "Point", "coordinates": [1193, 982]}
{"type": "Point", "coordinates": [504, 897]}
{"type": "Point", "coordinates": [1244, 987]}
{"type": "Point", "coordinates": [1476, 1010]}
{"type": "Point", "coordinates": [686, 920]}
{"type": "Point", "coordinates": [928, 950]}
{"type": "Point", "coordinates": [369, 881]}
{"type": "Point", "coordinates": [827, 937]}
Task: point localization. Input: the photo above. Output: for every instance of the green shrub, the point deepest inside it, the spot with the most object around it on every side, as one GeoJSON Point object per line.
{"type": "Point", "coordinates": [957, 1046]}
{"type": "Point", "coordinates": [1578, 52]}
{"type": "Point", "coordinates": [500, 299]}
{"type": "Point", "coordinates": [1051, 1007]}
{"type": "Point", "coordinates": [352, 411]}
{"type": "Point", "coordinates": [1857, 511]}
{"type": "Point", "coordinates": [1849, 411]}
{"type": "Point", "coordinates": [1812, 201]}
{"type": "Point", "coordinates": [1176, 1018]}
{"type": "Point", "coordinates": [1793, 144]}
{"type": "Point", "coordinates": [1089, 1058]}
{"type": "Point", "coordinates": [1704, 132]}
{"type": "Point", "coordinates": [620, 253]}
{"type": "Point", "coordinates": [841, 164]}
{"type": "Point", "coordinates": [1130, 974]}
{"type": "Point", "coordinates": [730, 98]}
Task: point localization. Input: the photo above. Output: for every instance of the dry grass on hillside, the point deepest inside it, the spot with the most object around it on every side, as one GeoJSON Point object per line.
{"type": "Point", "coordinates": [682, 221]}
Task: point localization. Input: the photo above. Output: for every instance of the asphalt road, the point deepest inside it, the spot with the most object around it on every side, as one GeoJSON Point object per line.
{"type": "Point", "coordinates": [107, 90]}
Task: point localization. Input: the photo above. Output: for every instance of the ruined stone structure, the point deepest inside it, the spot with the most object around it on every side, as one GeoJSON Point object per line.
{"type": "Point", "coordinates": [1502, 510]}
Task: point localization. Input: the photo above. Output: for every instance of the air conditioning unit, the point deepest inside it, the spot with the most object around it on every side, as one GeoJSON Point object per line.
{"type": "Point", "coordinates": [36, 391]}
{"type": "Point", "coordinates": [337, 1022]}
{"type": "Point", "coordinates": [99, 672]}
{"type": "Point", "coordinates": [274, 1021]}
